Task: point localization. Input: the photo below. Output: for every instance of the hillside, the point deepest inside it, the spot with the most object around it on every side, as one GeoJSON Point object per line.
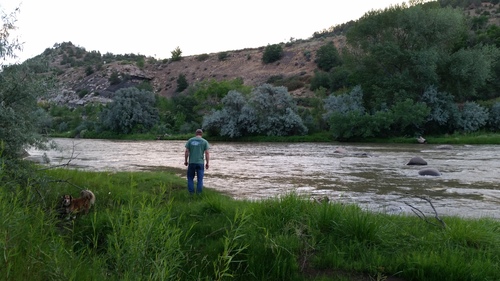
{"type": "Point", "coordinates": [79, 85]}
{"type": "Point", "coordinates": [88, 76]}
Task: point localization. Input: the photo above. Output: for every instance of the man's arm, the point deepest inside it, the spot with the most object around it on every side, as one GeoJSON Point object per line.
{"type": "Point", "coordinates": [207, 158]}
{"type": "Point", "coordinates": [186, 155]}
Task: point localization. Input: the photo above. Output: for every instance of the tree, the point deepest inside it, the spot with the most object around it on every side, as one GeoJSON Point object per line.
{"type": "Point", "coordinates": [210, 93]}
{"type": "Point", "coordinates": [275, 112]}
{"type": "Point", "coordinates": [20, 88]}
{"type": "Point", "coordinates": [344, 103]}
{"type": "Point", "coordinates": [397, 53]}
{"type": "Point", "coordinates": [268, 111]}
{"type": "Point", "coordinates": [132, 110]}
{"type": "Point", "coordinates": [468, 70]}
{"type": "Point", "coordinates": [176, 54]}
{"type": "Point", "coordinates": [228, 121]}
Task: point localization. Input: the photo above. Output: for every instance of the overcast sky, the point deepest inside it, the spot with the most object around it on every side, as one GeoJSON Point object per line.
{"type": "Point", "coordinates": [155, 27]}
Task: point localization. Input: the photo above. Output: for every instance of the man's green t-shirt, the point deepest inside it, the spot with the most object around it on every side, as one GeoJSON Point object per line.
{"type": "Point", "coordinates": [197, 147]}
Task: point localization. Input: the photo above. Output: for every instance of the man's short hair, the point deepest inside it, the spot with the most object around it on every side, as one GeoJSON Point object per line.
{"type": "Point", "coordinates": [199, 132]}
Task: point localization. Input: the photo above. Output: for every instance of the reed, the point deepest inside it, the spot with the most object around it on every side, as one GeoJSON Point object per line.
{"type": "Point", "coordinates": [145, 226]}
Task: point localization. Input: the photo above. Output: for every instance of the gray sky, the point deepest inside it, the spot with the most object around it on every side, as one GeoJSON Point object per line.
{"type": "Point", "coordinates": [156, 27]}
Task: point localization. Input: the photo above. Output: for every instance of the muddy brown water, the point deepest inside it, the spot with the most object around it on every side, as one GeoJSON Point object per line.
{"type": "Point", "coordinates": [374, 176]}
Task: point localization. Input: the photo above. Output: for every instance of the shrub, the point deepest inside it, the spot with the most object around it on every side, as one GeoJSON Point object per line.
{"type": "Point", "coordinates": [202, 57]}
{"type": "Point", "coordinates": [272, 53]}
{"type": "Point", "coordinates": [494, 121]}
{"type": "Point", "coordinates": [291, 83]}
{"type": "Point", "coordinates": [442, 110]}
{"type": "Point", "coordinates": [114, 78]}
{"type": "Point", "coordinates": [182, 83]}
{"type": "Point", "coordinates": [82, 93]}
{"type": "Point", "coordinates": [320, 79]}
{"type": "Point", "coordinates": [307, 55]}
{"type": "Point", "coordinates": [131, 111]}
{"type": "Point", "coordinates": [327, 57]}
{"type": "Point", "coordinates": [222, 56]}
{"type": "Point", "coordinates": [89, 70]}
{"type": "Point", "coordinates": [269, 111]}
{"type": "Point", "coordinates": [472, 117]}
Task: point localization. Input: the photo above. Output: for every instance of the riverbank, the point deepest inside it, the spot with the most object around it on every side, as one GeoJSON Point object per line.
{"type": "Point", "coordinates": [472, 138]}
{"type": "Point", "coordinates": [144, 225]}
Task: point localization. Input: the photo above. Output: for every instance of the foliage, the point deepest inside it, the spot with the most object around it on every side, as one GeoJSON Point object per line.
{"type": "Point", "coordinates": [209, 93]}
{"type": "Point", "coordinates": [494, 121]}
{"type": "Point", "coordinates": [222, 56]}
{"type": "Point", "coordinates": [344, 103]}
{"type": "Point", "coordinates": [132, 110]}
{"type": "Point", "coordinates": [292, 83]}
{"type": "Point", "coordinates": [272, 53]}
{"type": "Point", "coordinates": [320, 80]}
{"type": "Point", "coordinates": [268, 111]}
{"type": "Point", "coordinates": [348, 118]}
{"type": "Point", "coordinates": [21, 124]}
{"type": "Point", "coordinates": [185, 110]}
{"type": "Point", "coordinates": [182, 83]}
{"type": "Point", "coordinates": [469, 70]}
{"type": "Point", "coordinates": [176, 54]}
{"type": "Point", "coordinates": [408, 118]}
{"type": "Point", "coordinates": [443, 111]}
{"type": "Point", "coordinates": [229, 121]}
{"type": "Point", "coordinates": [114, 78]}
{"type": "Point", "coordinates": [202, 57]}
{"type": "Point", "coordinates": [327, 57]}
{"type": "Point", "coordinates": [472, 117]}
{"type": "Point", "coordinates": [397, 53]}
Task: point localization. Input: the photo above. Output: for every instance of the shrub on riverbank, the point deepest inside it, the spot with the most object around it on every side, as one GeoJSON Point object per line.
{"type": "Point", "coordinates": [144, 225]}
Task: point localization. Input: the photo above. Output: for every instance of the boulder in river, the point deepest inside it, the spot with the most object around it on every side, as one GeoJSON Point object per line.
{"type": "Point", "coordinates": [429, 172]}
{"type": "Point", "coordinates": [417, 161]}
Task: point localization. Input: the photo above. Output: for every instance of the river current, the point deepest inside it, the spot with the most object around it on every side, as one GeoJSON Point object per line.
{"type": "Point", "coordinates": [373, 176]}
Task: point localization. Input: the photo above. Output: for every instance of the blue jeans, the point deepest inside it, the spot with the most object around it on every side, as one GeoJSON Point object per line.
{"type": "Point", "coordinates": [199, 170]}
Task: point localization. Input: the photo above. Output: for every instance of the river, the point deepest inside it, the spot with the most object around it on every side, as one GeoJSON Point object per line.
{"type": "Point", "coordinates": [374, 176]}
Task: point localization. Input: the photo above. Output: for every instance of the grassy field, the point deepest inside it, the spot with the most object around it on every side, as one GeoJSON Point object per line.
{"type": "Point", "coordinates": [145, 226]}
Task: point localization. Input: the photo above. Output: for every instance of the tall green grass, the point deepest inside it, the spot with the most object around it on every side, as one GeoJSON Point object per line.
{"type": "Point", "coordinates": [145, 226]}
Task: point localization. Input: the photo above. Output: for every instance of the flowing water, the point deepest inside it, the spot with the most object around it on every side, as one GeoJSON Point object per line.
{"type": "Point", "coordinates": [374, 176]}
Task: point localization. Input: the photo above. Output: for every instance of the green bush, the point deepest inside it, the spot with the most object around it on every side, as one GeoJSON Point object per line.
{"type": "Point", "coordinates": [114, 78]}
{"type": "Point", "coordinates": [222, 56]}
{"type": "Point", "coordinates": [182, 83]}
{"type": "Point", "coordinates": [327, 57]}
{"type": "Point", "coordinates": [176, 54]}
{"type": "Point", "coordinates": [202, 57]}
{"type": "Point", "coordinates": [272, 53]}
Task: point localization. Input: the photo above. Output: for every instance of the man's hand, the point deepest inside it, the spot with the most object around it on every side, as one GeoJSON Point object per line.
{"type": "Point", "coordinates": [185, 163]}
{"type": "Point", "coordinates": [206, 166]}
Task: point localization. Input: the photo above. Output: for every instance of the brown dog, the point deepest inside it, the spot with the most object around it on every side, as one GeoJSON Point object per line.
{"type": "Point", "coordinates": [74, 206]}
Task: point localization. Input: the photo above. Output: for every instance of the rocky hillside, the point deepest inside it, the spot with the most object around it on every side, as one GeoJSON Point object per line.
{"type": "Point", "coordinates": [88, 77]}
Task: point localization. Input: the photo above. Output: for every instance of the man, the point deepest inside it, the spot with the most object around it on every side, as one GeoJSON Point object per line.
{"type": "Point", "coordinates": [197, 152]}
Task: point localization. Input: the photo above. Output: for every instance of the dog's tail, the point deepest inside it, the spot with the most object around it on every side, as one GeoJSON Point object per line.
{"type": "Point", "coordinates": [89, 195]}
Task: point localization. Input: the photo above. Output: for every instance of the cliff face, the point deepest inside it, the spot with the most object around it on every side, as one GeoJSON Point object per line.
{"type": "Point", "coordinates": [82, 82]}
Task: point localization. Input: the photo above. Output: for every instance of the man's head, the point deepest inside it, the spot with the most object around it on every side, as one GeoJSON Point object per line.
{"type": "Point", "coordinates": [199, 132]}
